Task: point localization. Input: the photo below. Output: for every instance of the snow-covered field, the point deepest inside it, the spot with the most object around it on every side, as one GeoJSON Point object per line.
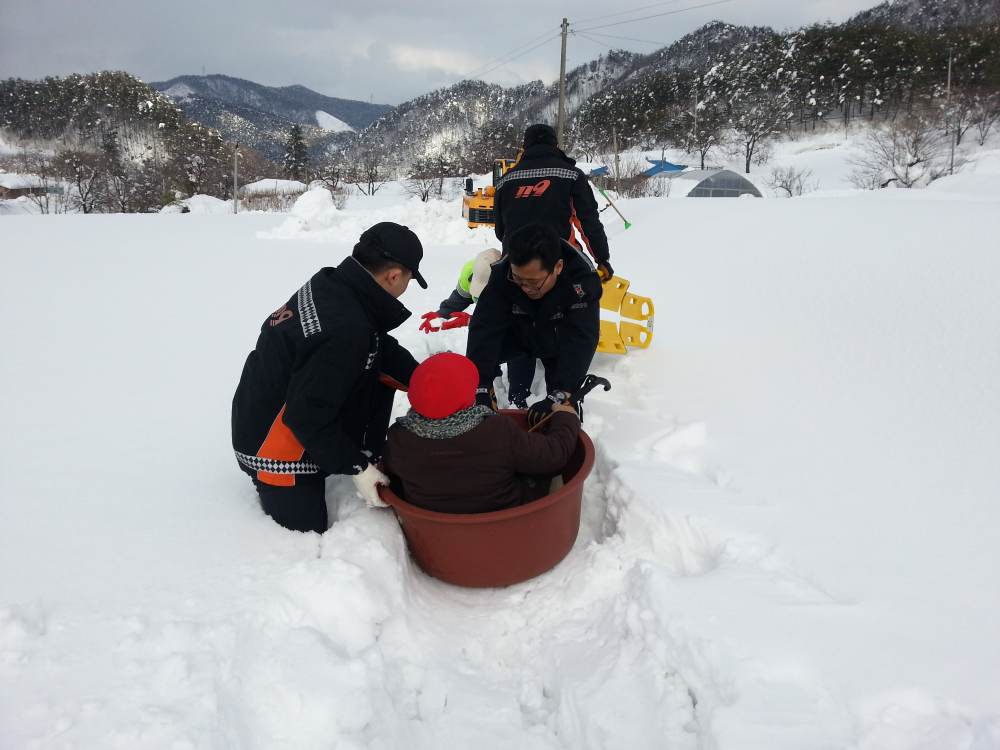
{"type": "Point", "coordinates": [789, 541]}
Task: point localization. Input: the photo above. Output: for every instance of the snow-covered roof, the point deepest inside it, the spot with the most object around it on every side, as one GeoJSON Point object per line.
{"type": "Point", "coordinates": [714, 183]}
{"type": "Point", "coordinates": [274, 186]}
{"type": "Point", "coordinates": [20, 181]}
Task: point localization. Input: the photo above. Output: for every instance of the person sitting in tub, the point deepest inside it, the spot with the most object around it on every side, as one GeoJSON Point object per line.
{"type": "Point", "coordinates": [454, 456]}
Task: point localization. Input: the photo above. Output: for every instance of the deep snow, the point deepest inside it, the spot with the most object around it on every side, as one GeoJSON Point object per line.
{"type": "Point", "coordinates": [788, 542]}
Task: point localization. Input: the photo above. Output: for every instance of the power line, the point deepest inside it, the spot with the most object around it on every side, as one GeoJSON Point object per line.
{"type": "Point", "coordinates": [552, 38]}
{"type": "Point", "coordinates": [595, 41]}
{"type": "Point", "coordinates": [486, 68]}
{"type": "Point", "coordinates": [626, 12]}
{"type": "Point", "coordinates": [656, 15]}
{"type": "Point", "coordinates": [631, 39]}
{"type": "Point", "coordinates": [486, 65]}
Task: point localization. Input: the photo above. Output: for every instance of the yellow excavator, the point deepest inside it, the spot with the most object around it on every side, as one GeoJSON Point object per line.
{"type": "Point", "coordinates": [477, 205]}
{"type": "Point", "coordinates": [477, 209]}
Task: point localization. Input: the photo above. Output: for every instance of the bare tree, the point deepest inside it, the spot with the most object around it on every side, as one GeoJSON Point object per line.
{"type": "Point", "coordinates": [370, 172]}
{"type": "Point", "coordinates": [791, 180]}
{"type": "Point", "coordinates": [756, 121]}
{"type": "Point", "coordinates": [909, 152]}
{"type": "Point", "coordinates": [332, 173]}
{"type": "Point", "coordinates": [698, 130]}
{"type": "Point", "coordinates": [986, 113]}
{"type": "Point", "coordinates": [427, 180]}
{"type": "Point", "coordinates": [86, 175]}
{"type": "Point", "coordinates": [43, 187]}
{"type": "Point", "coordinates": [958, 116]}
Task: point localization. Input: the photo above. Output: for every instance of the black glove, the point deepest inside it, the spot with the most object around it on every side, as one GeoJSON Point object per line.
{"type": "Point", "coordinates": [486, 397]}
{"type": "Point", "coordinates": [605, 270]}
{"type": "Point", "coordinates": [542, 409]}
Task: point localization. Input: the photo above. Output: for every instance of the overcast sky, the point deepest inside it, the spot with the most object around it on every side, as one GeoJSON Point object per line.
{"type": "Point", "coordinates": [388, 51]}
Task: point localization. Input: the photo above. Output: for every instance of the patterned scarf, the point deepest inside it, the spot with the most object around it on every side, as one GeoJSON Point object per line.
{"type": "Point", "coordinates": [440, 429]}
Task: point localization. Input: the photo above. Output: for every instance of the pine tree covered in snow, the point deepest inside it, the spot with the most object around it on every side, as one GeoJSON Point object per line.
{"type": "Point", "coordinates": [296, 160]}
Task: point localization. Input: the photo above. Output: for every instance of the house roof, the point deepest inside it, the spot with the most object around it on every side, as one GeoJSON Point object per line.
{"type": "Point", "coordinates": [20, 181]}
{"type": "Point", "coordinates": [662, 165]}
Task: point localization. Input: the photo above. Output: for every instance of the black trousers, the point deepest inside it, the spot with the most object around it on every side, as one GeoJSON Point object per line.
{"type": "Point", "coordinates": [302, 507]}
{"type": "Point", "coordinates": [520, 361]}
{"type": "Point", "coordinates": [520, 373]}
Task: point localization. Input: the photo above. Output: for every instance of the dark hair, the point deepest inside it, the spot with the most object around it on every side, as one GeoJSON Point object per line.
{"type": "Point", "coordinates": [370, 256]}
{"type": "Point", "coordinates": [533, 241]}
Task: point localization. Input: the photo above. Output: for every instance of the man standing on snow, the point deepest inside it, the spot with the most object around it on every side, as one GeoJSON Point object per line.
{"type": "Point", "coordinates": [542, 301]}
{"type": "Point", "coordinates": [545, 186]}
{"type": "Point", "coordinates": [313, 399]}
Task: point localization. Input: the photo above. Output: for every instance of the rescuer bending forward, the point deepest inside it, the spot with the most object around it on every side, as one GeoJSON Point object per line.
{"type": "Point", "coordinates": [310, 402]}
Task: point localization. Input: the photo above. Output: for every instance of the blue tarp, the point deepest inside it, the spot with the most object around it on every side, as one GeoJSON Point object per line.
{"type": "Point", "coordinates": [599, 170]}
{"type": "Point", "coordinates": [662, 165]}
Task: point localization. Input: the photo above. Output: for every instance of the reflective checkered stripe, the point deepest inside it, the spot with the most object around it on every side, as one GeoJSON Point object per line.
{"type": "Point", "coordinates": [535, 174]}
{"type": "Point", "coordinates": [273, 466]}
{"type": "Point", "coordinates": [307, 310]}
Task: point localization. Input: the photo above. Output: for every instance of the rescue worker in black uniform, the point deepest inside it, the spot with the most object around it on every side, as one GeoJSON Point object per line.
{"type": "Point", "coordinates": [545, 186]}
{"type": "Point", "coordinates": [313, 399]}
{"type": "Point", "coordinates": [542, 301]}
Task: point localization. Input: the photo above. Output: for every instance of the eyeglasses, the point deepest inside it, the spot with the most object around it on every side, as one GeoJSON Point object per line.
{"type": "Point", "coordinates": [527, 287]}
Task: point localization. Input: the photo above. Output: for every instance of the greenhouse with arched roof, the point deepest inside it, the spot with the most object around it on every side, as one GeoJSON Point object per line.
{"type": "Point", "coordinates": [708, 183]}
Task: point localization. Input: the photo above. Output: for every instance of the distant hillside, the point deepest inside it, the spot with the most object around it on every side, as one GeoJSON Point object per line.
{"type": "Point", "coordinates": [470, 123]}
{"type": "Point", "coordinates": [931, 15]}
{"type": "Point", "coordinates": [295, 103]}
{"type": "Point", "coordinates": [261, 116]}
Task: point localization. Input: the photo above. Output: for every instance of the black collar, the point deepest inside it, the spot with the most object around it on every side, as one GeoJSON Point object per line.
{"type": "Point", "coordinates": [386, 311]}
{"type": "Point", "coordinates": [543, 151]}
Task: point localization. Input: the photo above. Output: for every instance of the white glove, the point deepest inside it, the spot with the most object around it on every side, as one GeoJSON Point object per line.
{"type": "Point", "coordinates": [367, 485]}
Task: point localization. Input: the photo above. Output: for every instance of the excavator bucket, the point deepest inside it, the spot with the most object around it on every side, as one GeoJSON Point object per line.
{"type": "Point", "coordinates": [610, 341]}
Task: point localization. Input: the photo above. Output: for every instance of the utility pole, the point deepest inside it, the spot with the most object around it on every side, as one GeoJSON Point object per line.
{"type": "Point", "coordinates": [236, 178]}
{"type": "Point", "coordinates": [951, 168]}
{"type": "Point", "coordinates": [562, 85]}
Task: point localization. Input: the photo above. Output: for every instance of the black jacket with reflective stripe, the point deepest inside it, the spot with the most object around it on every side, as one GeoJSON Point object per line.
{"type": "Point", "coordinates": [546, 187]}
{"type": "Point", "coordinates": [320, 357]}
{"type": "Point", "coordinates": [565, 323]}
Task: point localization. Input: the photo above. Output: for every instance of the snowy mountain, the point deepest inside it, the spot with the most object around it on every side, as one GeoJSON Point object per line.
{"type": "Point", "coordinates": [261, 116]}
{"type": "Point", "coordinates": [931, 15]}
{"type": "Point", "coordinates": [472, 122]}
{"type": "Point", "coordinates": [295, 103]}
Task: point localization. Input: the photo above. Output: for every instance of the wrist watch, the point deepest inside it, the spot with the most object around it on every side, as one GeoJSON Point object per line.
{"type": "Point", "coordinates": [558, 397]}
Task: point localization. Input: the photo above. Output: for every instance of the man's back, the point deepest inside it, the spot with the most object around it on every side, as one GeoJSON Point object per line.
{"type": "Point", "coordinates": [546, 187]}
{"type": "Point", "coordinates": [477, 471]}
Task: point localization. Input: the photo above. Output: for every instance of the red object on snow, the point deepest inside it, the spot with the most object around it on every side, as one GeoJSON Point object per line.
{"type": "Point", "coordinates": [443, 384]}
{"type": "Point", "coordinates": [483, 550]}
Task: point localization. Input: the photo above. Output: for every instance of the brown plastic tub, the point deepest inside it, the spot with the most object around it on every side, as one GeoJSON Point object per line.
{"type": "Point", "coordinates": [482, 550]}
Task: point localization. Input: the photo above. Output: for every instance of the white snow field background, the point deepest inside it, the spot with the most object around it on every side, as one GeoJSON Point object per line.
{"type": "Point", "coordinates": [790, 539]}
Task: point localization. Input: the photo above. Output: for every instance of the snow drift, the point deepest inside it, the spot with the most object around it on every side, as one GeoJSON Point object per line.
{"type": "Point", "coordinates": [788, 541]}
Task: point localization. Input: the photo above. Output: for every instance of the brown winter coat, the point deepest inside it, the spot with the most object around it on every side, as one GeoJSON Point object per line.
{"type": "Point", "coordinates": [478, 471]}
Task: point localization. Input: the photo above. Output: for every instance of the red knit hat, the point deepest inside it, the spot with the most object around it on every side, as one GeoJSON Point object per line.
{"type": "Point", "coordinates": [442, 385]}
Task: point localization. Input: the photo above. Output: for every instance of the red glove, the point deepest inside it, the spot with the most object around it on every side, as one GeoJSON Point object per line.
{"type": "Point", "coordinates": [457, 320]}
{"type": "Point", "coordinates": [426, 326]}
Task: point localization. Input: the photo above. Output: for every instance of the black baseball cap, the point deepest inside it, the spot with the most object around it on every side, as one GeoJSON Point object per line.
{"type": "Point", "coordinates": [540, 133]}
{"type": "Point", "coordinates": [398, 243]}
